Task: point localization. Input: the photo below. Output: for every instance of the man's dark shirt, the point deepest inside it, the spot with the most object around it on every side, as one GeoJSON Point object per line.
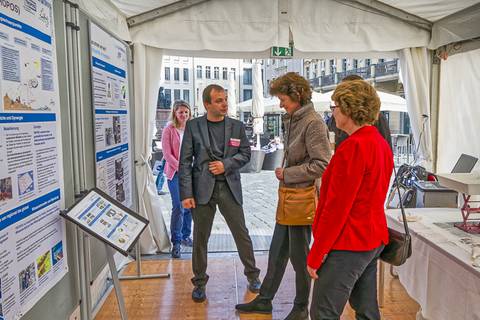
{"type": "Point", "coordinates": [216, 133]}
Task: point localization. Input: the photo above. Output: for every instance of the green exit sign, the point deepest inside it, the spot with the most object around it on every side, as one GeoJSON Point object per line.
{"type": "Point", "coordinates": [281, 52]}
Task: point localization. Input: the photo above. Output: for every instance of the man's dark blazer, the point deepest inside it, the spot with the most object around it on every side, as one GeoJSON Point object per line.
{"type": "Point", "coordinates": [196, 181]}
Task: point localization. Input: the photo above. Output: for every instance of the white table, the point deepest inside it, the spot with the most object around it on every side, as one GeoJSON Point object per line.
{"type": "Point", "coordinates": [439, 274]}
{"type": "Point", "coordinates": [468, 184]}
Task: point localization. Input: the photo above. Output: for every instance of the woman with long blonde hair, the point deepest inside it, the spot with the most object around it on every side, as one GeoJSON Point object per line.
{"type": "Point", "coordinates": [172, 136]}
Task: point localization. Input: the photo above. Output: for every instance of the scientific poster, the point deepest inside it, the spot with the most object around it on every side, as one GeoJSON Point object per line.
{"type": "Point", "coordinates": [109, 66]}
{"type": "Point", "coordinates": [32, 233]}
{"type": "Point", "coordinates": [108, 221]}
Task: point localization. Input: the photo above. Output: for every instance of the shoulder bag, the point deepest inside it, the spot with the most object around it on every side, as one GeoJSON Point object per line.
{"type": "Point", "coordinates": [399, 247]}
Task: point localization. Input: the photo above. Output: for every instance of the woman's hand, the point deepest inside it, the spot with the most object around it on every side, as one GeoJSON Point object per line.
{"type": "Point", "coordinates": [312, 272]}
{"type": "Point", "coordinates": [279, 173]}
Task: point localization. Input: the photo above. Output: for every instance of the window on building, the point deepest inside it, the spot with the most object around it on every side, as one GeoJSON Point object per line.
{"type": "Point", "coordinates": [381, 60]}
{"type": "Point", "coordinates": [207, 72]}
{"type": "Point", "coordinates": [247, 76]}
{"type": "Point", "coordinates": [307, 72]}
{"type": "Point", "coordinates": [176, 94]}
{"type": "Point", "coordinates": [367, 62]}
{"type": "Point", "coordinates": [185, 74]}
{"type": "Point", "coordinates": [332, 66]}
{"type": "Point", "coordinates": [344, 64]}
{"type": "Point", "coordinates": [168, 98]}
{"type": "Point", "coordinates": [247, 94]}
{"type": "Point", "coordinates": [216, 73]}
{"type": "Point", "coordinates": [176, 74]}
{"type": "Point", "coordinates": [234, 72]}
{"type": "Point", "coordinates": [186, 95]}
{"type": "Point", "coordinates": [167, 73]}
{"type": "Point", "coordinates": [199, 72]}
{"type": "Point", "coordinates": [225, 73]}
{"type": "Point", "coordinates": [355, 63]}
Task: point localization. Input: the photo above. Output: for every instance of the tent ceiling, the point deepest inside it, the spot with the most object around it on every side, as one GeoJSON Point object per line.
{"type": "Point", "coordinates": [431, 10]}
{"type": "Point", "coordinates": [316, 26]}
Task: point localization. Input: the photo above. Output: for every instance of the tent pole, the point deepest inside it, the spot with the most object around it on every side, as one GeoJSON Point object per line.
{"type": "Point", "coordinates": [434, 107]}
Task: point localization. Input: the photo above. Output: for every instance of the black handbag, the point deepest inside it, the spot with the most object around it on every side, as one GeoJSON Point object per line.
{"type": "Point", "coordinates": [399, 247]}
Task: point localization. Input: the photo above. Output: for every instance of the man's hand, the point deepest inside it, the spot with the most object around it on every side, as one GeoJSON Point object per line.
{"type": "Point", "coordinates": [312, 272]}
{"type": "Point", "coordinates": [188, 203]}
{"type": "Point", "coordinates": [216, 167]}
{"type": "Point", "coordinates": [279, 173]}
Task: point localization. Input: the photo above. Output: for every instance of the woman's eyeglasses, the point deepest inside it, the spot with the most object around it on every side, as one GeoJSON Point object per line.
{"type": "Point", "coordinates": [333, 107]}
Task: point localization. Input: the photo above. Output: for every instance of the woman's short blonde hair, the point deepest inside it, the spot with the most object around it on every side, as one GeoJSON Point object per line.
{"type": "Point", "coordinates": [293, 85]}
{"type": "Point", "coordinates": [175, 106]}
{"type": "Point", "coordinates": [358, 100]}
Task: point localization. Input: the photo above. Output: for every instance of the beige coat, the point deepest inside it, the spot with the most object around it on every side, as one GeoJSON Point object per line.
{"type": "Point", "coordinates": [307, 148]}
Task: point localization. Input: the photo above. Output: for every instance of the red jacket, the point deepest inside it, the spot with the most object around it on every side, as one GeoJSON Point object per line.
{"type": "Point", "coordinates": [350, 214]}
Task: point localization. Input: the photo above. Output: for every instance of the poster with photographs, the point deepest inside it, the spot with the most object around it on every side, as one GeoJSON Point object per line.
{"type": "Point", "coordinates": [107, 219]}
{"type": "Point", "coordinates": [112, 123]}
{"type": "Point", "coordinates": [32, 233]}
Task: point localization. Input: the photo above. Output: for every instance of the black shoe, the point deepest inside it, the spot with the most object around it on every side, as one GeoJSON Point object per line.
{"type": "Point", "coordinates": [298, 313]}
{"type": "Point", "coordinates": [257, 305]}
{"type": "Point", "coordinates": [176, 254]}
{"type": "Point", "coordinates": [198, 294]}
{"type": "Point", "coordinates": [254, 285]}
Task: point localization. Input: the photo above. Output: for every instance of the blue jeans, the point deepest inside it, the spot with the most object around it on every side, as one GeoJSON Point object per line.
{"type": "Point", "coordinates": [181, 222]}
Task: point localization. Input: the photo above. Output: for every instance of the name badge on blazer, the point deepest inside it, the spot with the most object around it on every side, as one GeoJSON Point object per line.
{"type": "Point", "coordinates": [234, 142]}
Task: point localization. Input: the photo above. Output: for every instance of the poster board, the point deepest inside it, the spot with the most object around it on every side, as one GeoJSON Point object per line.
{"type": "Point", "coordinates": [33, 255]}
{"type": "Point", "coordinates": [110, 97]}
{"type": "Point", "coordinates": [107, 219]}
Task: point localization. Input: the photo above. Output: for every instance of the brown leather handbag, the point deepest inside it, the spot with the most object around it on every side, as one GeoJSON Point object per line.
{"type": "Point", "coordinates": [296, 206]}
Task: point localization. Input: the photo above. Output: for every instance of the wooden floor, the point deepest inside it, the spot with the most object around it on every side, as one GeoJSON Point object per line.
{"type": "Point", "coordinates": [171, 298]}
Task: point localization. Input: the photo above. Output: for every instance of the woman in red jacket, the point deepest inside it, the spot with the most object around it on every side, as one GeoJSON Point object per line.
{"type": "Point", "coordinates": [350, 228]}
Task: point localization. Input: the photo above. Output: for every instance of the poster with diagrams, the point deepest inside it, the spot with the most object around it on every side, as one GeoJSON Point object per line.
{"type": "Point", "coordinates": [32, 233]}
{"type": "Point", "coordinates": [109, 66]}
{"type": "Point", "coordinates": [107, 219]}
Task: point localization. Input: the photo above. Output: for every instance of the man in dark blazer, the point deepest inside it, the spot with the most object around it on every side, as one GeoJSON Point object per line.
{"type": "Point", "coordinates": [214, 148]}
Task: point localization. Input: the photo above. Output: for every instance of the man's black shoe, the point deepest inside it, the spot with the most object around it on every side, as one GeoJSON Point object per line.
{"type": "Point", "coordinates": [298, 313]}
{"type": "Point", "coordinates": [198, 294]}
{"type": "Point", "coordinates": [257, 305]}
{"type": "Point", "coordinates": [254, 285]}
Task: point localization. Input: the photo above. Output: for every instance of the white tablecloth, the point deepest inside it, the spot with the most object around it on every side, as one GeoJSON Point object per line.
{"type": "Point", "coordinates": [439, 274]}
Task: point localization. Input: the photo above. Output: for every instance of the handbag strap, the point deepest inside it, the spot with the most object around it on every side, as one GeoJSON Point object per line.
{"type": "Point", "coordinates": [402, 209]}
{"type": "Point", "coordinates": [285, 145]}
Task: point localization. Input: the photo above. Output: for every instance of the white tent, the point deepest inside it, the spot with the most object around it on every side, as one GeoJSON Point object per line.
{"type": "Point", "coordinates": [407, 29]}
{"type": "Point", "coordinates": [321, 102]}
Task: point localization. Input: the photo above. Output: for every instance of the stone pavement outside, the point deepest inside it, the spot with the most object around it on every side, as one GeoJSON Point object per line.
{"type": "Point", "coordinates": [260, 202]}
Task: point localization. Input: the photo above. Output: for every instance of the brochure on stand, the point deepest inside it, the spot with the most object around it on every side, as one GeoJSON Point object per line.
{"type": "Point", "coordinates": [107, 219]}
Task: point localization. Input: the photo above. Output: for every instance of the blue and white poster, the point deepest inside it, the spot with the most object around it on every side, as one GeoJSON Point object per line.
{"type": "Point", "coordinates": [109, 66]}
{"type": "Point", "coordinates": [32, 233]}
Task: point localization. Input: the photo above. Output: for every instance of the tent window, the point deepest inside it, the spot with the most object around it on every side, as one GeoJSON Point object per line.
{"type": "Point", "coordinates": [247, 76]}
{"type": "Point", "coordinates": [207, 72]}
{"type": "Point", "coordinates": [167, 73]}
{"type": "Point", "coordinates": [216, 73]}
{"type": "Point", "coordinates": [224, 73]}
{"type": "Point", "coordinates": [199, 72]}
{"type": "Point", "coordinates": [185, 75]}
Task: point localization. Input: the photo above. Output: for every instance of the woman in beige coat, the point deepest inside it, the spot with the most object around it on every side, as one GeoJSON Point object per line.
{"type": "Point", "coordinates": [307, 152]}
